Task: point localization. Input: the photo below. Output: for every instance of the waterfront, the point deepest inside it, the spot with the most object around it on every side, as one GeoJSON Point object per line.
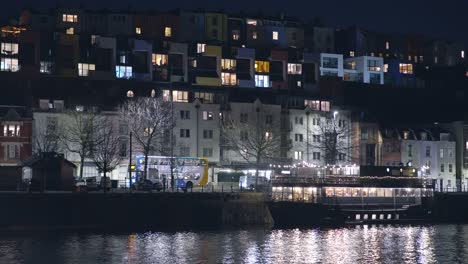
{"type": "Point", "coordinates": [359, 244]}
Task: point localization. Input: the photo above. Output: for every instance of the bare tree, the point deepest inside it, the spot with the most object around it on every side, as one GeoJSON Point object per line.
{"type": "Point", "coordinates": [333, 138]}
{"type": "Point", "coordinates": [78, 134]}
{"type": "Point", "coordinates": [106, 150]}
{"type": "Point", "coordinates": [257, 140]}
{"type": "Point", "coordinates": [47, 134]}
{"type": "Point", "coordinates": [148, 119]}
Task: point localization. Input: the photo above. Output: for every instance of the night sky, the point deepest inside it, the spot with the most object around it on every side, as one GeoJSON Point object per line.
{"type": "Point", "coordinates": [446, 19]}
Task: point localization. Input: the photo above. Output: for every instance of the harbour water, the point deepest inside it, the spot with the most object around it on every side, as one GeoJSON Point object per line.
{"type": "Point", "coordinates": [444, 243]}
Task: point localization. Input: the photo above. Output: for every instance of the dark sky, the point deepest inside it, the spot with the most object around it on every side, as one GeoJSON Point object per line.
{"type": "Point", "coordinates": [440, 18]}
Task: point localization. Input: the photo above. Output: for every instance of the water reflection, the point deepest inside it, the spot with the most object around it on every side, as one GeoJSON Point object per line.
{"type": "Point", "coordinates": [360, 244]}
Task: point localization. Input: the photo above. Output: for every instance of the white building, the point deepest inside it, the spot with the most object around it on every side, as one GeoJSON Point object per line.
{"type": "Point", "coordinates": [331, 64]}
{"type": "Point", "coordinates": [309, 127]}
{"type": "Point", "coordinates": [47, 121]}
{"type": "Point", "coordinates": [197, 130]}
{"type": "Point", "coordinates": [433, 153]}
{"type": "Point", "coordinates": [364, 69]}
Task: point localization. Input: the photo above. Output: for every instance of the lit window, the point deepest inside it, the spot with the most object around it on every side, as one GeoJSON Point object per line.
{"type": "Point", "coordinates": [275, 35]}
{"type": "Point", "coordinates": [123, 59]}
{"type": "Point", "coordinates": [11, 130]}
{"type": "Point", "coordinates": [9, 48]}
{"type": "Point", "coordinates": [123, 72]}
{"type": "Point", "coordinates": [436, 60]}
{"type": "Point", "coordinates": [351, 53]}
{"type": "Point", "coordinates": [138, 30]}
{"type": "Point", "coordinates": [228, 78]}
{"type": "Point", "coordinates": [205, 97]}
{"type": "Point", "coordinates": [180, 96]}
{"type": "Point", "coordinates": [93, 39]}
{"type": "Point", "coordinates": [373, 65]}
{"type": "Point", "coordinates": [46, 67]}
{"type": "Point", "coordinates": [153, 93]}
{"type": "Point", "coordinates": [159, 59]}
{"type": "Point", "coordinates": [385, 68]}
{"type": "Point", "coordinates": [69, 18]}
{"type": "Point", "coordinates": [312, 104]}
{"type": "Point", "coordinates": [166, 95]}
{"type": "Point", "coordinates": [9, 64]}
{"type": "Point", "coordinates": [235, 35]}
{"type": "Point", "coordinates": [251, 22]}
{"type": "Point", "coordinates": [325, 106]}
{"type": "Point", "coordinates": [70, 31]}
{"type": "Point", "coordinates": [409, 57]}
{"type": "Point", "coordinates": [254, 35]}
{"type": "Point", "coordinates": [201, 47]}
{"type": "Point", "coordinates": [262, 66]}
{"type": "Point", "coordinates": [299, 84]}
{"type": "Point", "coordinates": [85, 68]}
{"type": "Point", "coordinates": [350, 65]}
{"type": "Point", "coordinates": [387, 45]}
{"type": "Point", "coordinates": [227, 64]}
{"type": "Point", "coordinates": [298, 155]}
{"type": "Point", "coordinates": [130, 94]}
{"type": "Point", "coordinates": [462, 54]}
{"type": "Point", "coordinates": [262, 81]}
{"type": "Point", "coordinates": [168, 32]}
{"type": "Point", "coordinates": [406, 68]}
{"type": "Point", "coordinates": [294, 68]}
{"type": "Point", "coordinates": [207, 115]}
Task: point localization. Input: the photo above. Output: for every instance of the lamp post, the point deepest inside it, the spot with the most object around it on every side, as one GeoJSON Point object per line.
{"type": "Point", "coordinates": [257, 104]}
{"type": "Point", "coordinates": [130, 163]}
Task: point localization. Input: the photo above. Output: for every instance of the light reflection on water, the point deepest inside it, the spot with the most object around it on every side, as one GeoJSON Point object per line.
{"type": "Point", "coordinates": [360, 244]}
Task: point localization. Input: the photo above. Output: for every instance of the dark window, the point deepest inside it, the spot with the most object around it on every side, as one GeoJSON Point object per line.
{"type": "Point", "coordinates": [308, 70]}
{"type": "Point", "coordinates": [26, 54]}
{"type": "Point", "coordinates": [140, 63]}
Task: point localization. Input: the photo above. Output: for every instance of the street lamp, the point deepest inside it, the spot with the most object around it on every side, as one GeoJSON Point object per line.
{"type": "Point", "coordinates": [335, 114]}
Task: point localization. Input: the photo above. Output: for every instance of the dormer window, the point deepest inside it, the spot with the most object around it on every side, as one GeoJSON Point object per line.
{"type": "Point", "coordinates": [406, 135]}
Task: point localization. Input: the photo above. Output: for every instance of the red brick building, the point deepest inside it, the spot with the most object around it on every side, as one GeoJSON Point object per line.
{"type": "Point", "coordinates": [15, 135]}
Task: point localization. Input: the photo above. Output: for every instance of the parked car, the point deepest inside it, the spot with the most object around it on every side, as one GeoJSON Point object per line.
{"type": "Point", "coordinates": [80, 185]}
{"type": "Point", "coordinates": [248, 183]}
{"type": "Point", "coordinates": [91, 183]}
{"type": "Point", "coordinates": [147, 185]}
